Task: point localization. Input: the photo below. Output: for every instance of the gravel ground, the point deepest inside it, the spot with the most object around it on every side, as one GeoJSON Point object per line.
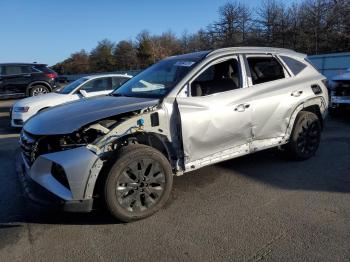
{"type": "Point", "coordinates": [258, 207]}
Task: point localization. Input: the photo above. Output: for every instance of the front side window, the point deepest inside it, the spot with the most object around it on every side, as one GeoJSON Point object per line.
{"type": "Point", "coordinates": [265, 69]}
{"type": "Point", "coordinates": [97, 85]}
{"type": "Point", "coordinates": [221, 77]}
{"type": "Point", "coordinates": [16, 70]}
{"type": "Point", "coordinates": [13, 70]}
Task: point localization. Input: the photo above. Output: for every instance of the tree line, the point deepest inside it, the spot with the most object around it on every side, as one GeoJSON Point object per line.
{"type": "Point", "coordinates": [309, 26]}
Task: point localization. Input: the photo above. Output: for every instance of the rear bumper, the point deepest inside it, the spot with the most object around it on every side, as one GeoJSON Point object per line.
{"type": "Point", "coordinates": [43, 189]}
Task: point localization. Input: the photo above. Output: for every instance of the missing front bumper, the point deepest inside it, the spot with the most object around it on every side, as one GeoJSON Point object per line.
{"type": "Point", "coordinates": [43, 188]}
{"type": "Point", "coordinates": [42, 197]}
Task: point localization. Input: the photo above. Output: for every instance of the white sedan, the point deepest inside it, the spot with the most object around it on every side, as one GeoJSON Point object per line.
{"type": "Point", "coordinates": [87, 86]}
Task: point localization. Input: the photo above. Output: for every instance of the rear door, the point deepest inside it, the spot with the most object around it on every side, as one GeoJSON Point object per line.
{"type": "Point", "coordinates": [275, 96]}
{"type": "Point", "coordinates": [15, 79]}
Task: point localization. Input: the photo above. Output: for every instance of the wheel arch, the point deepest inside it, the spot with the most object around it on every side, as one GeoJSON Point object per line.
{"type": "Point", "coordinates": [154, 140]}
{"type": "Point", "coordinates": [37, 83]}
{"type": "Point", "coordinates": [314, 105]}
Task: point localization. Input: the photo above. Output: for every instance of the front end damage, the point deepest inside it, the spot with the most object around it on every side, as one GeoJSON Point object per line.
{"type": "Point", "coordinates": [68, 166]}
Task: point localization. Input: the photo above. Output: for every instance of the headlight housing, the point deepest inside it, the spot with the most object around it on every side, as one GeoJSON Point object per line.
{"type": "Point", "coordinates": [21, 109]}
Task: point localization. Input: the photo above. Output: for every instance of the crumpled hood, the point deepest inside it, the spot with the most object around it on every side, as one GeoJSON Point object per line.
{"type": "Point", "coordinates": [67, 118]}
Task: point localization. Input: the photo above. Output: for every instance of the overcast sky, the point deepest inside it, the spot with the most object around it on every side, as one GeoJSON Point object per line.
{"type": "Point", "coordinates": [49, 31]}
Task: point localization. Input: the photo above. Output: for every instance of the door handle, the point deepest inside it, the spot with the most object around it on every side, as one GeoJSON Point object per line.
{"type": "Point", "coordinates": [242, 107]}
{"type": "Point", "coordinates": [296, 93]}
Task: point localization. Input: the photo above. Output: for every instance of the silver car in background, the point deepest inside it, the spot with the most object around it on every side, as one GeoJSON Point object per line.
{"type": "Point", "coordinates": [181, 114]}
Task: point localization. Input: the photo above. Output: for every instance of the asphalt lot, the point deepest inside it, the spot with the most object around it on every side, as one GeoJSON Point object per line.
{"type": "Point", "coordinates": [258, 207]}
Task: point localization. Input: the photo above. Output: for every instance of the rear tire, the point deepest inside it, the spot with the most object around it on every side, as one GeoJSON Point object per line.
{"type": "Point", "coordinates": [305, 137]}
{"type": "Point", "coordinates": [38, 90]}
{"type": "Point", "coordinates": [138, 184]}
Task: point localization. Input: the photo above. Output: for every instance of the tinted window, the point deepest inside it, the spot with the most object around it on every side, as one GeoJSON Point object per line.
{"type": "Point", "coordinates": [44, 69]}
{"type": "Point", "coordinates": [26, 69]}
{"type": "Point", "coordinates": [218, 78]}
{"type": "Point", "coordinates": [264, 69]}
{"type": "Point", "coordinates": [13, 70]}
{"type": "Point", "coordinates": [97, 85]}
{"type": "Point", "coordinates": [294, 65]}
{"type": "Point", "coordinates": [16, 70]}
{"type": "Point", "coordinates": [1, 70]}
{"type": "Point", "coordinates": [118, 81]}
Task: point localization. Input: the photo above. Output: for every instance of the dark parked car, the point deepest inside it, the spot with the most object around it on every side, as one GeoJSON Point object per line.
{"type": "Point", "coordinates": [26, 79]}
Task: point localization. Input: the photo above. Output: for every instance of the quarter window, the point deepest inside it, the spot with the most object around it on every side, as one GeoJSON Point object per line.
{"type": "Point", "coordinates": [294, 65]}
{"type": "Point", "coordinates": [221, 77]}
{"type": "Point", "coordinates": [265, 69]}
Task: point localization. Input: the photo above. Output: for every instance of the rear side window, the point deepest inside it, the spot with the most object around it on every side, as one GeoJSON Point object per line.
{"type": "Point", "coordinates": [265, 69]}
{"type": "Point", "coordinates": [1, 70]}
{"type": "Point", "coordinates": [294, 65]}
{"type": "Point", "coordinates": [97, 85]}
{"type": "Point", "coordinates": [118, 81]}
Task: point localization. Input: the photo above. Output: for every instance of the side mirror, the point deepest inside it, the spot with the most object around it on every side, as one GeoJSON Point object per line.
{"type": "Point", "coordinates": [83, 93]}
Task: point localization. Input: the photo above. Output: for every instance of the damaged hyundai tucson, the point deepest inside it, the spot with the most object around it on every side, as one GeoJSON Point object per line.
{"type": "Point", "coordinates": [183, 113]}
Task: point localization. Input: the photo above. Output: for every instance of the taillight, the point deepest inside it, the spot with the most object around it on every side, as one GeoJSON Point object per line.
{"type": "Point", "coordinates": [51, 75]}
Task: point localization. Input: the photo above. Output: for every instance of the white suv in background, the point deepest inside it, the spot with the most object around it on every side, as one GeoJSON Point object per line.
{"type": "Point", "coordinates": [87, 86]}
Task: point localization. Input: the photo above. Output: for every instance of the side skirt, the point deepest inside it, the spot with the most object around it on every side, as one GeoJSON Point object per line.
{"type": "Point", "coordinates": [235, 152]}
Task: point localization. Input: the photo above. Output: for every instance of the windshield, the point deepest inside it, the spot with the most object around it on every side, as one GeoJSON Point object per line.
{"type": "Point", "coordinates": [159, 79]}
{"type": "Point", "coordinates": [70, 87]}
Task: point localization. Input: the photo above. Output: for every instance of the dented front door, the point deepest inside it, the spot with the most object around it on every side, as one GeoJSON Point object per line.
{"type": "Point", "coordinates": [214, 123]}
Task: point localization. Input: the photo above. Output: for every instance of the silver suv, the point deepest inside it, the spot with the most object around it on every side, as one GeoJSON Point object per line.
{"type": "Point", "coordinates": [181, 114]}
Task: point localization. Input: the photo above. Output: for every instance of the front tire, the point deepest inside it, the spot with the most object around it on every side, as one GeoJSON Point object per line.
{"type": "Point", "coordinates": [138, 184]}
{"type": "Point", "coordinates": [38, 90]}
{"type": "Point", "coordinates": [305, 137]}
